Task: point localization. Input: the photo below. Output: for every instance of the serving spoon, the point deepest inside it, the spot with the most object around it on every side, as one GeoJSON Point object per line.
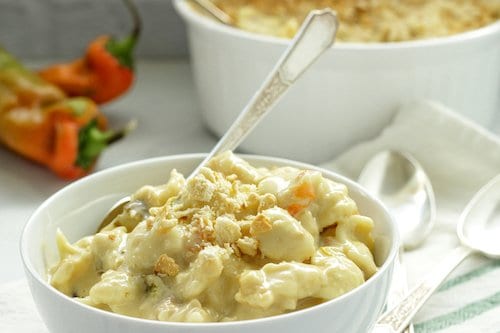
{"type": "Point", "coordinates": [478, 230]}
{"type": "Point", "coordinates": [316, 35]}
{"type": "Point", "coordinates": [400, 182]}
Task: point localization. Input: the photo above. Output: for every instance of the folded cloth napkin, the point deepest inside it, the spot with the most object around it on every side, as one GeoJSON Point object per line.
{"type": "Point", "coordinates": [459, 158]}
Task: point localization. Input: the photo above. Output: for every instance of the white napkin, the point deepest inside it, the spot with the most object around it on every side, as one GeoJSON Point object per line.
{"type": "Point", "coordinates": [459, 158]}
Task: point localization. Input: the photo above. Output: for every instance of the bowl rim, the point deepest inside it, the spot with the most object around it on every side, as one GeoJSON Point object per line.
{"type": "Point", "coordinates": [191, 16]}
{"type": "Point", "coordinates": [32, 273]}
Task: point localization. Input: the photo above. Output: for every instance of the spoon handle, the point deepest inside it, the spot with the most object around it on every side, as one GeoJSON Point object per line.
{"type": "Point", "coordinates": [399, 286]}
{"type": "Point", "coordinates": [398, 318]}
{"type": "Point", "coordinates": [215, 11]}
{"type": "Point", "coordinates": [315, 36]}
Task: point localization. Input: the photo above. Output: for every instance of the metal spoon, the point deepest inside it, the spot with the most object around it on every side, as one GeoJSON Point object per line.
{"type": "Point", "coordinates": [399, 181]}
{"type": "Point", "coordinates": [315, 36]}
{"type": "Point", "coordinates": [478, 230]}
{"type": "Point", "coordinates": [214, 11]}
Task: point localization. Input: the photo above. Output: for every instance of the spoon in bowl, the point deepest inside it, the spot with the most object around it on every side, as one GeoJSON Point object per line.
{"type": "Point", "coordinates": [478, 231]}
{"type": "Point", "coordinates": [401, 183]}
{"type": "Point", "coordinates": [316, 35]}
{"type": "Point", "coordinates": [214, 11]}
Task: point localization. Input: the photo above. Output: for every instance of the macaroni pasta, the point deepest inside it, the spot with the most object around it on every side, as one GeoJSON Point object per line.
{"type": "Point", "coordinates": [235, 242]}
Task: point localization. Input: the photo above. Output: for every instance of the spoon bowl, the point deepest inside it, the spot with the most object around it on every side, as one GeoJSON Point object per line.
{"type": "Point", "coordinates": [479, 225]}
{"type": "Point", "coordinates": [401, 183]}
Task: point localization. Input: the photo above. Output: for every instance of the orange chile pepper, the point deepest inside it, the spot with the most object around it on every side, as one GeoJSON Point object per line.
{"type": "Point", "coordinates": [106, 71]}
{"type": "Point", "coordinates": [38, 121]}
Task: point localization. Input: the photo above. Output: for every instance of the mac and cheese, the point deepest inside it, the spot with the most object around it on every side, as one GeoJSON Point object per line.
{"type": "Point", "coordinates": [366, 20]}
{"type": "Point", "coordinates": [234, 242]}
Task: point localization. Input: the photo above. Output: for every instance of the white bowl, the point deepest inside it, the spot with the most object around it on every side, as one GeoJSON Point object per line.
{"type": "Point", "coordinates": [349, 95]}
{"type": "Point", "coordinates": [78, 208]}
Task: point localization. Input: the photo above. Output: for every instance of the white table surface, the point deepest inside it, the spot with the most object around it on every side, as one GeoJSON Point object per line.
{"type": "Point", "coordinates": [164, 103]}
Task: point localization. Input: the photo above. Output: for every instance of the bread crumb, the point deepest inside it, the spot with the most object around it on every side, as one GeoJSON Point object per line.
{"type": "Point", "coordinates": [260, 224]}
{"type": "Point", "coordinates": [166, 266]}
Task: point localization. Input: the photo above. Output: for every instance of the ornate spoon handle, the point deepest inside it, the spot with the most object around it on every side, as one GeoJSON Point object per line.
{"type": "Point", "coordinates": [399, 287]}
{"type": "Point", "coordinates": [398, 318]}
{"type": "Point", "coordinates": [315, 36]}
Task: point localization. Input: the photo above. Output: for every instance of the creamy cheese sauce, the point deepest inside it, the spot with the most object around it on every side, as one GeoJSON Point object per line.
{"type": "Point", "coordinates": [235, 242]}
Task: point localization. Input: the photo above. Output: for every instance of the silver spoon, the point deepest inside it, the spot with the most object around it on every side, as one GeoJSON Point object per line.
{"type": "Point", "coordinates": [478, 231]}
{"type": "Point", "coordinates": [214, 11]}
{"type": "Point", "coordinates": [315, 36]}
{"type": "Point", "coordinates": [400, 182]}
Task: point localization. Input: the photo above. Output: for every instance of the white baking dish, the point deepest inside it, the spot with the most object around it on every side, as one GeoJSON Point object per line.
{"type": "Point", "coordinates": [349, 95]}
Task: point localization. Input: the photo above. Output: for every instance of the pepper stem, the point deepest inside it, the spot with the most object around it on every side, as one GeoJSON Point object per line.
{"type": "Point", "coordinates": [122, 49]}
{"type": "Point", "coordinates": [92, 141]}
{"type": "Point", "coordinates": [136, 18]}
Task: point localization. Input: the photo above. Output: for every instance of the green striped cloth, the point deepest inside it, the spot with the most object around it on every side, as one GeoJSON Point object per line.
{"type": "Point", "coordinates": [459, 158]}
{"type": "Point", "coordinates": [469, 301]}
